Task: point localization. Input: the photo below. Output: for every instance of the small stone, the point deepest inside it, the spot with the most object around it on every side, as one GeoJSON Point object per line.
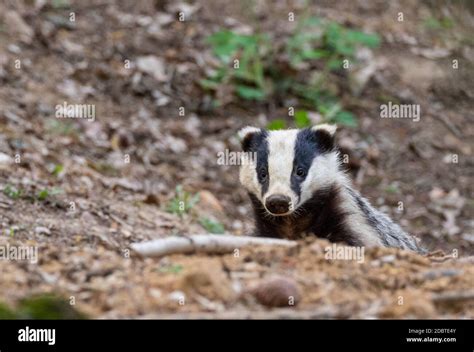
{"type": "Point", "coordinates": [152, 65]}
{"type": "Point", "coordinates": [41, 230]}
{"type": "Point", "coordinates": [209, 200]}
{"type": "Point", "coordinates": [5, 159]}
{"type": "Point", "coordinates": [177, 296]}
{"type": "Point", "coordinates": [278, 292]}
{"type": "Point", "coordinates": [156, 293]}
{"type": "Point", "coordinates": [388, 258]}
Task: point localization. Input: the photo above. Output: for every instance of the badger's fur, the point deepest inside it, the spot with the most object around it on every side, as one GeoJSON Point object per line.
{"type": "Point", "coordinates": [296, 185]}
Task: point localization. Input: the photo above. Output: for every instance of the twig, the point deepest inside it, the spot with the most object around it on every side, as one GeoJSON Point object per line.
{"type": "Point", "coordinates": [453, 297]}
{"type": "Point", "coordinates": [329, 312]}
{"type": "Point", "coordinates": [446, 122]}
{"type": "Point", "coordinates": [203, 244]}
{"type": "Point", "coordinates": [441, 259]}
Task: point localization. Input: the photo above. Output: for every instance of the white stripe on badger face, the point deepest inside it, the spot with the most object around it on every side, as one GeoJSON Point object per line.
{"type": "Point", "coordinates": [324, 172]}
{"type": "Point", "coordinates": [248, 176]}
{"type": "Point", "coordinates": [281, 154]}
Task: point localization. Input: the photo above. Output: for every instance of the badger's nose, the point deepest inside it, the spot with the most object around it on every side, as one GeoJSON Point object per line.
{"type": "Point", "coordinates": [278, 204]}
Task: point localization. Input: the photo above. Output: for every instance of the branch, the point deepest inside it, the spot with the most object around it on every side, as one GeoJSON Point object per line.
{"type": "Point", "coordinates": [453, 297]}
{"type": "Point", "coordinates": [203, 244]}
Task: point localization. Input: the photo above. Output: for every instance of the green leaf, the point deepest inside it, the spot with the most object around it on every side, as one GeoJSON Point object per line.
{"type": "Point", "coordinates": [314, 54]}
{"type": "Point", "coordinates": [334, 64]}
{"type": "Point", "coordinates": [333, 34]}
{"type": "Point", "coordinates": [392, 189]}
{"type": "Point", "coordinates": [329, 110]}
{"type": "Point", "coordinates": [193, 200]}
{"type": "Point", "coordinates": [12, 192]}
{"type": "Point", "coordinates": [434, 24]}
{"type": "Point", "coordinates": [345, 118]}
{"type": "Point", "coordinates": [182, 202]}
{"type": "Point", "coordinates": [250, 93]}
{"type": "Point", "coordinates": [57, 170]}
{"type": "Point", "coordinates": [58, 4]}
{"type": "Point", "coordinates": [173, 269]}
{"type": "Point", "coordinates": [209, 84]}
{"type": "Point", "coordinates": [43, 194]}
{"type": "Point", "coordinates": [226, 43]}
{"type": "Point", "coordinates": [6, 313]}
{"type": "Point", "coordinates": [212, 226]}
{"type": "Point", "coordinates": [370, 40]}
{"type": "Point", "coordinates": [301, 119]}
{"type": "Point", "coordinates": [312, 21]}
{"type": "Point", "coordinates": [277, 124]}
{"type": "Point", "coordinates": [48, 306]}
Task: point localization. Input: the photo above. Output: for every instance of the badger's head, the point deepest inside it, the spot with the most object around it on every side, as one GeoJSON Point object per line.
{"type": "Point", "coordinates": [284, 168]}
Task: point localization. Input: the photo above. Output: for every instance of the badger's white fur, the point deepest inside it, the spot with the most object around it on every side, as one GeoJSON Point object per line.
{"type": "Point", "coordinates": [278, 161]}
{"type": "Point", "coordinates": [302, 168]}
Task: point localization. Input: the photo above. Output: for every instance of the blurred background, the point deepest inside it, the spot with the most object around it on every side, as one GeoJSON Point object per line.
{"type": "Point", "coordinates": [171, 82]}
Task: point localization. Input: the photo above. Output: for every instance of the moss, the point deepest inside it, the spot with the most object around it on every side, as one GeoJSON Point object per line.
{"type": "Point", "coordinates": [47, 307]}
{"type": "Point", "coordinates": [6, 313]}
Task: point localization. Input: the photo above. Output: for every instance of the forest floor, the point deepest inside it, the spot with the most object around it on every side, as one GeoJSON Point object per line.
{"type": "Point", "coordinates": [82, 191]}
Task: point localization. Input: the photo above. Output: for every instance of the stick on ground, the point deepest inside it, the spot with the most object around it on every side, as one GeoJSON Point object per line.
{"type": "Point", "coordinates": [203, 244]}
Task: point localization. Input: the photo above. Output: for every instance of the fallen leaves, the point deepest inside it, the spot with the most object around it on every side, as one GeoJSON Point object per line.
{"type": "Point", "coordinates": [152, 65]}
{"type": "Point", "coordinates": [17, 26]}
{"type": "Point", "coordinates": [449, 205]}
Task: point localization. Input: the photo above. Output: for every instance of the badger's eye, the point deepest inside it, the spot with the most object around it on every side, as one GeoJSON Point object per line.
{"type": "Point", "coordinates": [300, 172]}
{"type": "Point", "coordinates": [262, 173]}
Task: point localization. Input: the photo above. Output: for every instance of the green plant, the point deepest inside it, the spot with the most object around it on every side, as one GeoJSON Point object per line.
{"type": "Point", "coordinates": [12, 192]}
{"type": "Point", "coordinates": [45, 193]}
{"type": "Point", "coordinates": [331, 113]}
{"type": "Point", "coordinates": [212, 226]}
{"type": "Point", "coordinates": [258, 70]}
{"type": "Point", "coordinates": [392, 188]}
{"type": "Point", "coordinates": [59, 4]}
{"type": "Point", "coordinates": [16, 193]}
{"type": "Point", "coordinates": [44, 306]}
{"type": "Point", "coordinates": [432, 23]}
{"type": "Point", "coordinates": [276, 124]}
{"type": "Point", "coordinates": [58, 169]}
{"type": "Point", "coordinates": [340, 42]}
{"type": "Point", "coordinates": [47, 306]}
{"type": "Point", "coordinates": [334, 113]}
{"type": "Point", "coordinates": [174, 269]}
{"type": "Point", "coordinates": [60, 127]}
{"type": "Point", "coordinates": [248, 75]}
{"type": "Point", "coordinates": [6, 313]}
{"type": "Point", "coordinates": [182, 202]}
{"type": "Point", "coordinates": [301, 119]}
{"type": "Point", "coordinates": [320, 39]}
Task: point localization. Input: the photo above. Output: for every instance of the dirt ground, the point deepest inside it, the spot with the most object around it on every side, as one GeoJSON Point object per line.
{"type": "Point", "coordinates": [119, 172]}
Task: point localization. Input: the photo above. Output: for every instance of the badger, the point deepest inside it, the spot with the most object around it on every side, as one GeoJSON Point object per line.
{"type": "Point", "coordinates": [297, 187]}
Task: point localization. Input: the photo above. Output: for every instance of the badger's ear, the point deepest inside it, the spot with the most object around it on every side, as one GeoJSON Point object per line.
{"type": "Point", "coordinates": [331, 129]}
{"type": "Point", "coordinates": [325, 136]}
{"type": "Point", "coordinates": [246, 136]}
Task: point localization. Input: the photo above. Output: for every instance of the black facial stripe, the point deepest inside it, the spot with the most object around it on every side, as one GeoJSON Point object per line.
{"type": "Point", "coordinates": [256, 142]}
{"type": "Point", "coordinates": [262, 161]}
{"type": "Point", "coordinates": [308, 145]}
{"type": "Point", "coordinates": [305, 151]}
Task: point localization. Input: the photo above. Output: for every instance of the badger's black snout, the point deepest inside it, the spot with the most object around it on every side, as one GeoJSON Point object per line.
{"type": "Point", "coordinates": [278, 204]}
